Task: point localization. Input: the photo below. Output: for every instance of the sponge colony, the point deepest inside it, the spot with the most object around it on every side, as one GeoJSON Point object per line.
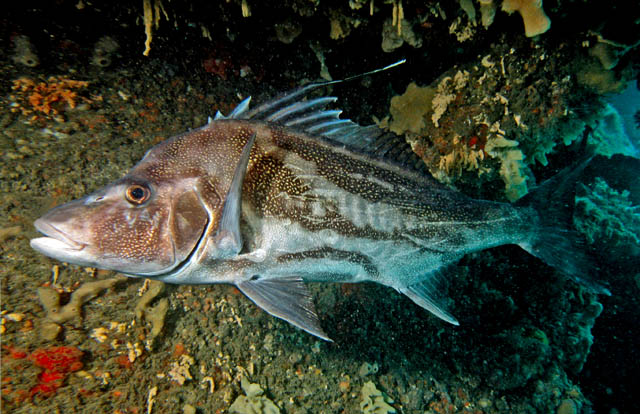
{"type": "Point", "coordinates": [535, 20]}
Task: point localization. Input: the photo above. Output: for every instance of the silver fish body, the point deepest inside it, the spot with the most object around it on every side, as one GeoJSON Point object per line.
{"type": "Point", "coordinates": [269, 198]}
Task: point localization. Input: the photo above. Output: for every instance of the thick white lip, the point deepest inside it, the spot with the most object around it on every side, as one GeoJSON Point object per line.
{"type": "Point", "coordinates": [50, 245]}
{"type": "Point", "coordinates": [55, 238]}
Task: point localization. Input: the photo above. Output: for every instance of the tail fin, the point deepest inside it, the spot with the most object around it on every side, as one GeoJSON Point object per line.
{"type": "Point", "coordinates": [554, 241]}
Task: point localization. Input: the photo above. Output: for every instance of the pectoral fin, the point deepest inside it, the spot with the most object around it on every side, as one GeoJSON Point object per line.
{"type": "Point", "coordinates": [286, 298]}
{"type": "Point", "coordinates": [228, 239]}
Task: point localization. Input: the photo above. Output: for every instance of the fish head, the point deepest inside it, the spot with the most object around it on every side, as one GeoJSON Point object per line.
{"type": "Point", "coordinates": [141, 225]}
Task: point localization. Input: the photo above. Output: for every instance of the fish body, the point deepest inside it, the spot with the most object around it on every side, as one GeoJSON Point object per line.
{"type": "Point", "coordinates": [287, 193]}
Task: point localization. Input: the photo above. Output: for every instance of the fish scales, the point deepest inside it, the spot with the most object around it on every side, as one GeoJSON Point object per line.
{"type": "Point", "coordinates": [359, 197]}
{"type": "Point", "coordinates": [286, 193]}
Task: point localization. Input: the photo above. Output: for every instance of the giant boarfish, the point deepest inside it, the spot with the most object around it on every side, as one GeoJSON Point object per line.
{"type": "Point", "coordinates": [269, 198]}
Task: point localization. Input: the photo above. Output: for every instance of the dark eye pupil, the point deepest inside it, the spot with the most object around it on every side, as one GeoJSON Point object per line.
{"type": "Point", "coordinates": [137, 193]}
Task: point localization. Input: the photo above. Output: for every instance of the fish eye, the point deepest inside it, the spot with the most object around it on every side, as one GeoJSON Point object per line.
{"type": "Point", "coordinates": [137, 194]}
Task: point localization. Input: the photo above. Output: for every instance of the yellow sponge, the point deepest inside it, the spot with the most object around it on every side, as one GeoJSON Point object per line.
{"type": "Point", "coordinates": [535, 20]}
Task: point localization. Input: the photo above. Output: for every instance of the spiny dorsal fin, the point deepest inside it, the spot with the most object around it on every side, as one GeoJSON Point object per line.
{"type": "Point", "coordinates": [312, 117]}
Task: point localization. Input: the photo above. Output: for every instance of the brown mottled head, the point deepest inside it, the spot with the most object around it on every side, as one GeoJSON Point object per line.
{"type": "Point", "coordinates": [150, 222]}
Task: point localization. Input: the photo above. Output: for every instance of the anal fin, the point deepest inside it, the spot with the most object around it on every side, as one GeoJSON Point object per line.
{"type": "Point", "coordinates": [429, 295]}
{"type": "Point", "coordinates": [285, 298]}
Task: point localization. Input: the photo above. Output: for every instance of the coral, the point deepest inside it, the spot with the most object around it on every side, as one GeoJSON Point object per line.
{"type": "Point", "coordinates": [50, 299]}
{"type": "Point", "coordinates": [600, 80]}
{"type": "Point", "coordinates": [535, 20]}
{"type": "Point", "coordinates": [153, 289]}
{"type": "Point", "coordinates": [581, 339]}
{"type": "Point", "coordinates": [339, 26]}
{"type": "Point", "coordinates": [567, 406]}
{"type": "Point", "coordinates": [103, 51]}
{"type": "Point", "coordinates": [9, 232]}
{"type": "Point", "coordinates": [609, 136]}
{"type": "Point", "coordinates": [605, 53]}
{"type": "Point", "coordinates": [511, 165]}
{"type": "Point", "coordinates": [153, 314]}
{"type": "Point", "coordinates": [487, 12]}
{"type": "Point", "coordinates": [463, 157]}
{"type": "Point", "coordinates": [49, 98]}
{"type": "Point", "coordinates": [23, 52]}
{"type": "Point", "coordinates": [180, 371]}
{"type": "Point", "coordinates": [485, 118]}
{"type": "Point", "coordinates": [392, 38]}
{"type": "Point", "coordinates": [368, 369]}
{"type": "Point", "coordinates": [463, 31]}
{"type": "Point", "coordinates": [151, 17]}
{"type": "Point", "coordinates": [287, 31]}
{"type": "Point", "coordinates": [57, 314]}
{"type": "Point", "coordinates": [254, 402]}
{"type": "Point", "coordinates": [445, 95]}
{"type": "Point", "coordinates": [605, 214]}
{"type": "Point", "coordinates": [468, 7]}
{"type": "Point", "coordinates": [374, 401]}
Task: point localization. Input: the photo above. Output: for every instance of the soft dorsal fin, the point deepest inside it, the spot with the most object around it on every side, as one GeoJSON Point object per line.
{"type": "Point", "coordinates": [228, 239]}
{"type": "Point", "coordinates": [312, 117]}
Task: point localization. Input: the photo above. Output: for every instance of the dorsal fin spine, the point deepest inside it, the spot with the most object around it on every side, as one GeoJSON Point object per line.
{"type": "Point", "coordinates": [312, 117]}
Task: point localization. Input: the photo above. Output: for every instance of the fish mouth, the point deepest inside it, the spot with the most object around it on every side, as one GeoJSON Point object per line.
{"type": "Point", "coordinates": [55, 239]}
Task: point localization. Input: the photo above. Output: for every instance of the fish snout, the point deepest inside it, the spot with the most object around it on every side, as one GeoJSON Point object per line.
{"type": "Point", "coordinates": [65, 235]}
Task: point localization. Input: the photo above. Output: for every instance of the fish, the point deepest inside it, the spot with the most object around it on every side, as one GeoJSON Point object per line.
{"type": "Point", "coordinates": [271, 198]}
